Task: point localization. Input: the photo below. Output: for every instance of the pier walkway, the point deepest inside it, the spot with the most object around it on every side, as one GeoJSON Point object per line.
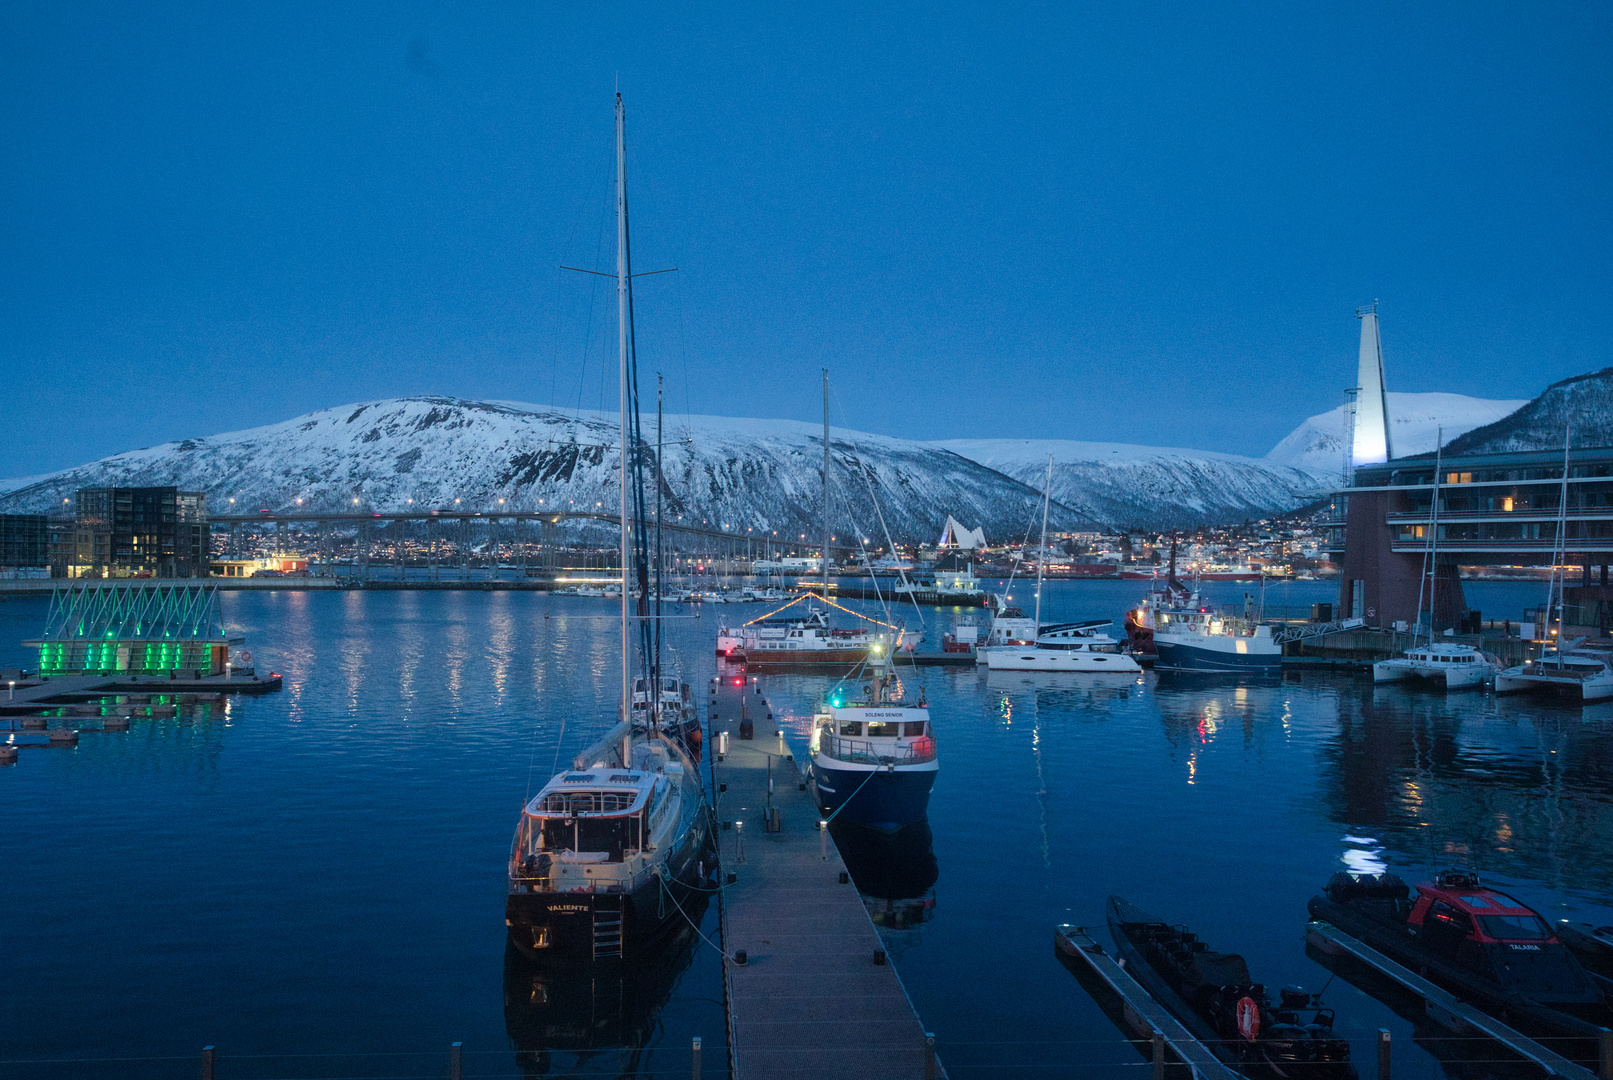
{"type": "Point", "coordinates": [816, 996]}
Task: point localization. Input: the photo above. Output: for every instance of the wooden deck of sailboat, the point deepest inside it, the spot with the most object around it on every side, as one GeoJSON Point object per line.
{"type": "Point", "coordinates": [812, 998]}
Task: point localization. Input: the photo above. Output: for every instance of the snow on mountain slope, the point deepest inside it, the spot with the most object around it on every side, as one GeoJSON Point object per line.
{"type": "Point", "coordinates": [1582, 405]}
{"type": "Point", "coordinates": [1317, 445]}
{"type": "Point", "coordinates": [1123, 484]}
{"type": "Point", "coordinates": [403, 453]}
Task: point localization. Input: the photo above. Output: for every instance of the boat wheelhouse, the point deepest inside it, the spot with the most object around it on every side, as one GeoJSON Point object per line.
{"type": "Point", "coordinates": [873, 763]}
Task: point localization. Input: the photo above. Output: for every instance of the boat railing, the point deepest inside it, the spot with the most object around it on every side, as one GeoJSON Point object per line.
{"type": "Point", "coordinates": [866, 752]}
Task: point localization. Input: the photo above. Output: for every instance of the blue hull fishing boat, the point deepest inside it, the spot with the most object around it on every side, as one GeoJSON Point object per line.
{"type": "Point", "coordinates": [874, 763]}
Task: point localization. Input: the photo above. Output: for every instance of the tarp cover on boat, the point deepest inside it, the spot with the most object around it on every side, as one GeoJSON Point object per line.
{"type": "Point", "coordinates": [1221, 968]}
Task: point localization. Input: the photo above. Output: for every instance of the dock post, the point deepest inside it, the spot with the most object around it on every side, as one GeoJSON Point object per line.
{"type": "Point", "coordinates": [694, 1058]}
{"type": "Point", "coordinates": [1383, 1054]}
{"type": "Point", "coordinates": [823, 839]}
{"type": "Point", "coordinates": [456, 1066]}
{"type": "Point", "coordinates": [1157, 1037]}
{"type": "Point", "coordinates": [208, 1054]}
{"type": "Point", "coordinates": [1604, 1046]}
{"type": "Point", "coordinates": [931, 1072]}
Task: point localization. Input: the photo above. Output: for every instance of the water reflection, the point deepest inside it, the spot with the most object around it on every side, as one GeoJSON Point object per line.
{"type": "Point", "coordinates": [1523, 791]}
{"type": "Point", "coordinates": [894, 874]}
{"type": "Point", "coordinates": [594, 1018]}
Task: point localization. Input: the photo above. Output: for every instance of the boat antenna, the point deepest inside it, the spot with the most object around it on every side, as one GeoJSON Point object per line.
{"type": "Point", "coordinates": [825, 483]}
{"type": "Point", "coordinates": [1430, 574]}
{"type": "Point", "coordinates": [1041, 552]}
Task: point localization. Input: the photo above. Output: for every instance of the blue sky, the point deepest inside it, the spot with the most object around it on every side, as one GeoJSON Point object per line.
{"type": "Point", "coordinates": [1146, 223]}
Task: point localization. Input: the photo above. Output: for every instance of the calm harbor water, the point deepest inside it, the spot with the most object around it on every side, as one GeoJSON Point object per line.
{"type": "Point", "coordinates": [313, 881]}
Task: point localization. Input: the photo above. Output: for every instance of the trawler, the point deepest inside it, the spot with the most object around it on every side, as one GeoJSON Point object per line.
{"type": "Point", "coordinates": [609, 851]}
{"type": "Point", "coordinates": [873, 761]}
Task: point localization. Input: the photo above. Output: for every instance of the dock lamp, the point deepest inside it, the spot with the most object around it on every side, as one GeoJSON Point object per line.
{"type": "Point", "coordinates": [12, 683]}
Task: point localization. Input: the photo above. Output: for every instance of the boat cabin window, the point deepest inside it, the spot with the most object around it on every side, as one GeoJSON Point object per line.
{"type": "Point", "coordinates": [1515, 927]}
{"type": "Point", "coordinates": [913, 728]}
{"type": "Point", "coordinates": [1110, 647]}
{"type": "Point", "coordinates": [1445, 919]}
{"type": "Point", "coordinates": [884, 729]}
{"type": "Point", "coordinates": [851, 727]}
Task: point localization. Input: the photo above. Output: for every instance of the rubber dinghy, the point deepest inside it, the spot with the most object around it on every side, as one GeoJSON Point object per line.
{"type": "Point", "coordinates": [1212, 994]}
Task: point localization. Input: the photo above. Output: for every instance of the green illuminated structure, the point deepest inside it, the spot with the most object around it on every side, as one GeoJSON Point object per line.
{"type": "Point", "coordinates": [144, 628]}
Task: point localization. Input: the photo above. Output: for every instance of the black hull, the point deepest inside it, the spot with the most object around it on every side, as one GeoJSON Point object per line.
{"type": "Point", "coordinates": [584, 926]}
{"type": "Point", "coordinates": [1301, 1053]}
{"type": "Point", "coordinates": [1530, 1016]}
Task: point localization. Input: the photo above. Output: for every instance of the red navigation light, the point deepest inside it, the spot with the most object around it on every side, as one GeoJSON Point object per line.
{"type": "Point", "coordinates": [375, 515]}
{"type": "Point", "coordinates": [739, 680]}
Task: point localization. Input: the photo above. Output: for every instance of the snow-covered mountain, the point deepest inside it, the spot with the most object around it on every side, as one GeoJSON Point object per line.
{"type": "Point", "coordinates": [1582, 405]}
{"type": "Point", "coordinates": [1317, 445]}
{"type": "Point", "coordinates": [1147, 486]}
{"type": "Point", "coordinates": [403, 453]}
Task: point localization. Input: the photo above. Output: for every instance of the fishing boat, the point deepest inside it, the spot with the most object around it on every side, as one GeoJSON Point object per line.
{"type": "Point", "coordinates": [609, 851]}
{"type": "Point", "coordinates": [1451, 666]}
{"type": "Point", "coordinates": [1481, 944]}
{"type": "Point", "coordinates": [873, 761]}
{"type": "Point", "coordinates": [1214, 996]}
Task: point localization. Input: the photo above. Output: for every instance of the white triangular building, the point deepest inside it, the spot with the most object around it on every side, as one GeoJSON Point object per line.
{"type": "Point", "coordinates": [955, 535]}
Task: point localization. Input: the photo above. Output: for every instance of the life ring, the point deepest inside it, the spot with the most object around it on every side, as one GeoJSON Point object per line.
{"type": "Point", "coordinates": [1248, 1018]}
{"type": "Point", "coordinates": [244, 657]}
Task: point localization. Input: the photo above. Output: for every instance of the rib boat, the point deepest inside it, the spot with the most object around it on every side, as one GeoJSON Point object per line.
{"type": "Point", "coordinates": [1214, 996]}
{"type": "Point", "coordinates": [1479, 943]}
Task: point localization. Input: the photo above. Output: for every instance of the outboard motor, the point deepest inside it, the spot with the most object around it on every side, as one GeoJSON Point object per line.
{"type": "Point", "coordinates": [1294, 997]}
{"type": "Point", "coordinates": [1457, 878]}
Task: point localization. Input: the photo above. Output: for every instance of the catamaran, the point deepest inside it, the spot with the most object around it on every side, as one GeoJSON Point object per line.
{"type": "Point", "coordinates": [609, 851]}
{"type": "Point", "coordinates": [1452, 665]}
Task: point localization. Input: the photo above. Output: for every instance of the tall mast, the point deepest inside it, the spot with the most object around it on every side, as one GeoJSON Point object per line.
{"type": "Point", "coordinates": [826, 483]}
{"type": "Point", "coordinates": [622, 278]}
{"type": "Point", "coordinates": [1559, 554]}
{"type": "Point", "coordinates": [1431, 549]}
{"type": "Point", "coordinates": [656, 679]}
{"type": "Point", "coordinates": [1041, 553]}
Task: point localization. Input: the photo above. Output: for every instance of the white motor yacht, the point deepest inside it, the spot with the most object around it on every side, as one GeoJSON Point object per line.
{"type": "Point", "coordinates": [1068, 647]}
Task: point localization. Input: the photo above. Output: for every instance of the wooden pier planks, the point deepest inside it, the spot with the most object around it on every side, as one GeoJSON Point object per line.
{"type": "Point", "coordinates": [810, 1000]}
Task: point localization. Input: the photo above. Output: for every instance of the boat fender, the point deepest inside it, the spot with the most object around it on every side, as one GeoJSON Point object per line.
{"type": "Point", "coordinates": [1248, 1012]}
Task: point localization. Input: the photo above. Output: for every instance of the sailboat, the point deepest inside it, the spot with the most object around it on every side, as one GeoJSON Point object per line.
{"type": "Point", "coordinates": [1076, 646]}
{"type": "Point", "coordinates": [609, 851]}
{"type": "Point", "coordinates": [807, 639]}
{"type": "Point", "coordinates": [1566, 668]}
{"type": "Point", "coordinates": [1453, 665]}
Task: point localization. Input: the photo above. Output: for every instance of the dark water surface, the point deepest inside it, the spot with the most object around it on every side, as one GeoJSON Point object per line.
{"type": "Point", "coordinates": [320, 872]}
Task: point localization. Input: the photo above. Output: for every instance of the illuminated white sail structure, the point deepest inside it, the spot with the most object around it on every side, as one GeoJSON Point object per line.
{"type": "Point", "coordinates": [1371, 443]}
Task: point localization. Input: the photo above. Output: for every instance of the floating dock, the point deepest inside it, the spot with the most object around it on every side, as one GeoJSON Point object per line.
{"type": "Point", "coordinates": [1443, 1007]}
{"type": "Point", "coordinates": [1142, 1013]}
{"type": "Point", "coordinates": [816, 995]}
